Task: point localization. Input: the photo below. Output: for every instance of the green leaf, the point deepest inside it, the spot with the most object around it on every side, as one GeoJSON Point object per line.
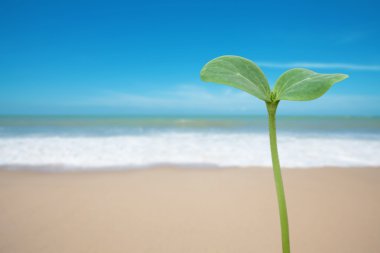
{"type": "Point", "coordinates": [303, 84]}
{"type": "Point", "coordinates": [237, 72]}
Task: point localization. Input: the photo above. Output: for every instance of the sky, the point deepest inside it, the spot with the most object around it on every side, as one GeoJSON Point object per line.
{"type": "Point", "coordinates": [144, 57]}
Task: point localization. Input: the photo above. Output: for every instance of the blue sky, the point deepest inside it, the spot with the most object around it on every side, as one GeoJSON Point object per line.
{"type": "Point", "coordinates": [144, 57]}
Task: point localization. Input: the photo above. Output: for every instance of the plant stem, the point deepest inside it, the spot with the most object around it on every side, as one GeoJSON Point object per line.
{"type": "Point", "coordinates": [271, 107]}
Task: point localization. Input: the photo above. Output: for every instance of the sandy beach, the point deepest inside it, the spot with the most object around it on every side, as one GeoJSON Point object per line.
{"type": "Point", "coordinates": [171, 210]}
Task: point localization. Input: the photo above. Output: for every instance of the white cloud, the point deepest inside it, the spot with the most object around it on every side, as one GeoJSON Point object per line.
{"type": "Point", "coordinates": [180, 98]}
{"type": "Point", "coordinates": [334, 104]}
{"type": "Point", "coordinates": [319, 65]}
{"type": "Point", "coordinates": [197, 99]}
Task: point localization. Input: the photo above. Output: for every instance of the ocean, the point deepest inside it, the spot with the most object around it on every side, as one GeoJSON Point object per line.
{"type": "Point", "coordinates": [62, 143]}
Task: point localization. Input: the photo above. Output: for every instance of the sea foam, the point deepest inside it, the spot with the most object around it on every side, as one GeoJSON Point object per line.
{"type": "Point", "coordinates": [220, 149]}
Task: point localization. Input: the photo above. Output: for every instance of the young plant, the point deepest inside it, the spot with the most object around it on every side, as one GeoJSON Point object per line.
{"type": "Point", "coordinates": [295, 85]}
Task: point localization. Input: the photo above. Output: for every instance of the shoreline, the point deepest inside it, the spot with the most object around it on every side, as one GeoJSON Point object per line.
{"type": "Point", "coordinates": [170, 210]}
{"type": "Point", "coordinates": [120, 169]}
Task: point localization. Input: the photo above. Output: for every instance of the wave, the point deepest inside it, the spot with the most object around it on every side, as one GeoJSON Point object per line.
{"type": "Point", "coordinates": [219, 149]}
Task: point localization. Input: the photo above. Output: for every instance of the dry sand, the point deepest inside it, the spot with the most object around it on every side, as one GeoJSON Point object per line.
{"type": "Point", "coordinates": [176, 210]}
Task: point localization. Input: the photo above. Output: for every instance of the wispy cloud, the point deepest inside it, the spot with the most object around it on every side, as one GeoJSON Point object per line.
{"type": "Point", "coordinates": [180, 98]}
{"type": "Point", "coordinates": [196, 99]}
{"type": "Point", "coordinates": [335, 104]}
{"type": "Point", "coordinates": [319, 65]}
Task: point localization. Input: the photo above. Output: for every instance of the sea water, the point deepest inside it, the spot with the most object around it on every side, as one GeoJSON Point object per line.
{"type": "Point", "coordinates": [124, 142]}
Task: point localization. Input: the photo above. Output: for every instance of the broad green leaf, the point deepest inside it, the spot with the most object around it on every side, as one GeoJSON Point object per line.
{"type": "Point", "coordinates": [237, 72]}
{"type": "Point", "coordinates": [303, 84]}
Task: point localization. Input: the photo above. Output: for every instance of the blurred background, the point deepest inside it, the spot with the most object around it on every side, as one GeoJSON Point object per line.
{"type": "Point", "coordinates": [116, 83]}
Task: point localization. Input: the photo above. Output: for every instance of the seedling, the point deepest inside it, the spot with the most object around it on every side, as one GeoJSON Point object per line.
{"type": "Point", "coordinates": [295, 85]}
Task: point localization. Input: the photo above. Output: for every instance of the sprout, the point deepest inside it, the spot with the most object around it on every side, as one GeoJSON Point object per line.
{"type": "Point", "coordinates": [295, 85]}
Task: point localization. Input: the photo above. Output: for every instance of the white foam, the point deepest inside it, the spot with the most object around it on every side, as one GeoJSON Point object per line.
{"type": "Point", "coordinates": [222, 149]}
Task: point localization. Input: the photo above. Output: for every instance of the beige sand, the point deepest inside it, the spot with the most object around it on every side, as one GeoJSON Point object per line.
{"type": "Point", "coordinates": [178, 210]}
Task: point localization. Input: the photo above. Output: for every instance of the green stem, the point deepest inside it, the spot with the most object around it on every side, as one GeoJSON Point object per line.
{"type": "Point", "coordinates": [271, 107]}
